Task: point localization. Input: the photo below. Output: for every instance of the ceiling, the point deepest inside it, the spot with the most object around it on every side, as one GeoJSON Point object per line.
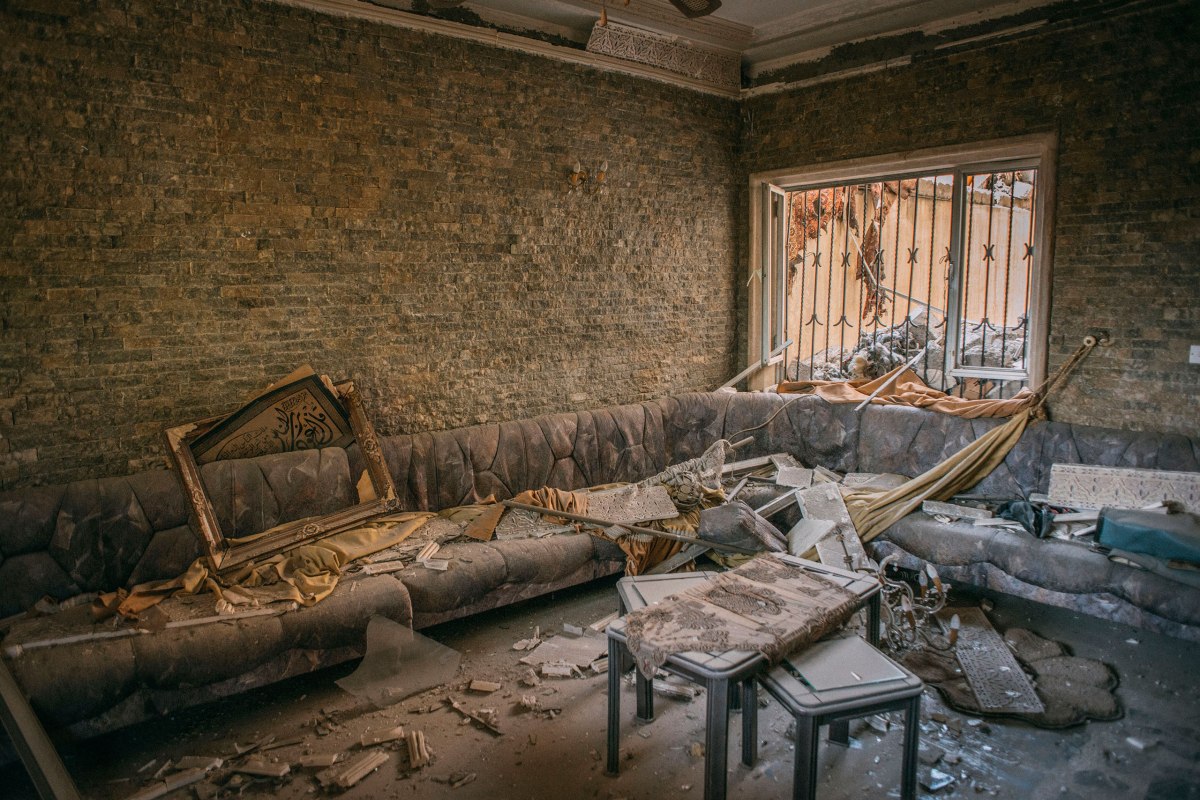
{"type": "Point", "coordinates": [766, 34]}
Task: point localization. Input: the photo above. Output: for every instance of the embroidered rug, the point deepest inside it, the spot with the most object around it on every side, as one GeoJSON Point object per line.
{"type": "Point", "coordinates": [766, 605]}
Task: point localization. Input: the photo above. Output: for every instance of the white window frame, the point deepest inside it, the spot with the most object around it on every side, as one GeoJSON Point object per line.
{"type": "Point", "coordinates": [766, 253]}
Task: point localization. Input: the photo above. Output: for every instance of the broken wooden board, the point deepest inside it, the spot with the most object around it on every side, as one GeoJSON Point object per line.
{"type": "Point", "coordinates": [999, 683]}
{"type": "Point", "coordinates": [476, 718]}
{"type": "Point", "coordinates": [824, 501]}
{"type": "Point", "coordinates": [782, 460]}
{"type": "Point", "coordinates": [419, 753]}
{"type": "Point", "coordinates": [370, 738]}
{"type": "Point", "coordinates": [842, 550]}
{"type": "Point", "coordinates": [805, 534]}
{"type": "Point", "coordinates": [689, 553]}
{"type": "Point", "coordinates": [1087, 486]}
{"type": "Point", "coordinates": [778, 504]}
{"type": "Point", "coordinates": [33, 746]}
{"type": "Point", "coordinates": [355, 771]}
{"type": "Point", "coordinates": [484, 687]}
{"type": "Point", "coordinates": [747, 466]}
{"type": "Point", "coordinates": [631, 504]}
{"type": "Point", "coordinates": [795, 477]}
{"type": "Point", "coordinates": [264, 769]}
{"type": "Point", "coordinates": [823, 475]}
{"type": "Point", "coordinates": [164, 787]}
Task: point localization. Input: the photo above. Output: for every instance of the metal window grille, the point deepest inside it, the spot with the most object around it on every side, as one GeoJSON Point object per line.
{"type": "Point", "coordinates": [936, 267]}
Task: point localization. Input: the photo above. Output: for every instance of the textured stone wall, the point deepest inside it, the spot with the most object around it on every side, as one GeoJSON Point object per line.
{"type": "Point", "coordinates": [198, 196]}
{"type": "Point", "coordinates": [1121, 95]}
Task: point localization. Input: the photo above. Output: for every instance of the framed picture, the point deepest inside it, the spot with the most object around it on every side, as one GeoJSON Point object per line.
{"type": "Point", "coordinates": [298, 414]}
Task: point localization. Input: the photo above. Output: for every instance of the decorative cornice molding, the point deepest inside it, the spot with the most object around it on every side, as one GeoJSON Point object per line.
{"type": "Point", "coordinates": [669, 52]}
{"type": "Point", "coordinates": [508, 41]}
{"type": "Point", "coordinates": [659, 16]}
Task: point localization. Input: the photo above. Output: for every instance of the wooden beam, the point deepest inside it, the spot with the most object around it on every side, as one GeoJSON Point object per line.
{"type": "Point", "coordinates": [34, 747]}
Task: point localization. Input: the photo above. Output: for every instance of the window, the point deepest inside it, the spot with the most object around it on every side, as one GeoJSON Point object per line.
{"type": "Point", "coordinates": [933, 259]}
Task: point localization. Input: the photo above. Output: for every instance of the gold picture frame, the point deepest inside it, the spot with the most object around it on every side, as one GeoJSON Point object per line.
{"type": "Point", "coordinates": [225, 554]}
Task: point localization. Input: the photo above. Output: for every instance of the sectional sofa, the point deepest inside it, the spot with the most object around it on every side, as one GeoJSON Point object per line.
{"type": "Point", "coordinates": [97, 535]}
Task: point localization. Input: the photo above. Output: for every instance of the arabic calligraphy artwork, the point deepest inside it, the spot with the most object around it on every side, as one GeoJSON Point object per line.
{"type": "Point", "coordinates": [300, 415]}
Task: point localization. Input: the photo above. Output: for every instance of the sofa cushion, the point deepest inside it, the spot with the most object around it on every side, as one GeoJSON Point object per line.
{"type": "Point", "coordinates": [475, 569]}
{"type": "Point", "coordinates": [547, 560]}
{"type": "Point", "coordinates": [185, 658]}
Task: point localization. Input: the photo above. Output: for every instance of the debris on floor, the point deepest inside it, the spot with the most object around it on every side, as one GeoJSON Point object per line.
{"type": "Point", "coordinates": [419, 754]}
{"type": "Point", "coordinates": [670, 686]}
{"type": "Point", "coordinates": [343, 777]}
{"type": "Point", "coordinates": [579, 651]}
{"type": "Point", "coordinates": [371, 738]}
{"type": "Point", "coordinates": [936, 780]}
{"type": "Point", "coordinates": [483, 687]}
{"type": "Point", "coordinates": [558, 669]}
{"type": "Point", "coordinates": [996, 679]}
{"type": "Point", "coordinates": [484, 718]}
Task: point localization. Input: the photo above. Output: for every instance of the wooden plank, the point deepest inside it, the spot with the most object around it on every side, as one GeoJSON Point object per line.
{"type": "Point", "coordinates": [33, 746]}
{"type": "Point", "coordinates": [678, 560]}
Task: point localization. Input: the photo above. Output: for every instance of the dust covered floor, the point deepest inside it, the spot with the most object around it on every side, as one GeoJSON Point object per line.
{"type": "Point", "coordinates": [537, 757]}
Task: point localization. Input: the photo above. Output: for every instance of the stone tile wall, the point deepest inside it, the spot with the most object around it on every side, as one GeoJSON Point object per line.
{"type": "Point", "coordinates": [196, 197]}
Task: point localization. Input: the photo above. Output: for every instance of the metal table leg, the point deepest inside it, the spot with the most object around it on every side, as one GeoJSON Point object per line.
{"type": "Point", "coordinates": [804, 769]}
{"type": "Point", "coordinates": [839, 732]}
{"type": "Point", "coordinates": [716, 739]}
{"type": "Point", "coordinates": [912, 724]}
{"type": "Point", "coordinates": [614, 708]}
{"type": "Point", "coordinates": [644, 689]}
{"type": "Point", "coordinates": [749, 721]}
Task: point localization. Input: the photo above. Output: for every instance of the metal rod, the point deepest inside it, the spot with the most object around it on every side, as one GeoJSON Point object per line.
{"type": "Point", "coordinates": [888, 382]}
{"type": "Point", "coordinates": [750, 370]}
{"type": "Point", "coordinates": [16, 650]}
{"type": "Point", "coordinates": [675, 537]}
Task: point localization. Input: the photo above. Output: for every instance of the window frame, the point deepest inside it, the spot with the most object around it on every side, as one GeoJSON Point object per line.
{"type": "Point", "coordinates": [1035, 151]}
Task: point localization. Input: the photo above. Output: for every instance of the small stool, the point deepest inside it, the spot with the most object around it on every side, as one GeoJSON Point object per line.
{"type": "Point", "coordinates": [841, 679]}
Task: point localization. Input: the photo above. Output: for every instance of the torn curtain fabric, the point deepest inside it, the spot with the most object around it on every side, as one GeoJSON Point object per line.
{"type": "Point", "coordinates": [873, 511]}
{"type": "Point", "coordinates": [909, 390]}
{"type": "Point", "coordinates": [304, 575]}
{"type": "Point", "coordinates": [766, 605]}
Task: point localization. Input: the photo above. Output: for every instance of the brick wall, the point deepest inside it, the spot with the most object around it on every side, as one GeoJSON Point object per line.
{"type": "Point", "coordinates": [198, 196]}
{"type": "Point", "coordinates": [1121, 95]}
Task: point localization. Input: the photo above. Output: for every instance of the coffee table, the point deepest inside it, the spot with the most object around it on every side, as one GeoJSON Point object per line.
{"type": "Point", "coordinates": [718, 672]}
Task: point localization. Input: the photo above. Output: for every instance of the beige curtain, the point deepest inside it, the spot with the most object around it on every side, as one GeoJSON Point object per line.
{"type": "Point", "coordinates": [874, 510]}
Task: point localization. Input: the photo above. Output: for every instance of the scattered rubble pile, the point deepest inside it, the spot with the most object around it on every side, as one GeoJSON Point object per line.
{"type": "Point", "coordinates": [923, 334]}
{"type": "Point", "coordinates": [271, 762]}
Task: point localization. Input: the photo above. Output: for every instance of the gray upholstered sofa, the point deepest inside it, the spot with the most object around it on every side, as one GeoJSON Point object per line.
{"type": "Point", "coordinates": [104, 534]}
